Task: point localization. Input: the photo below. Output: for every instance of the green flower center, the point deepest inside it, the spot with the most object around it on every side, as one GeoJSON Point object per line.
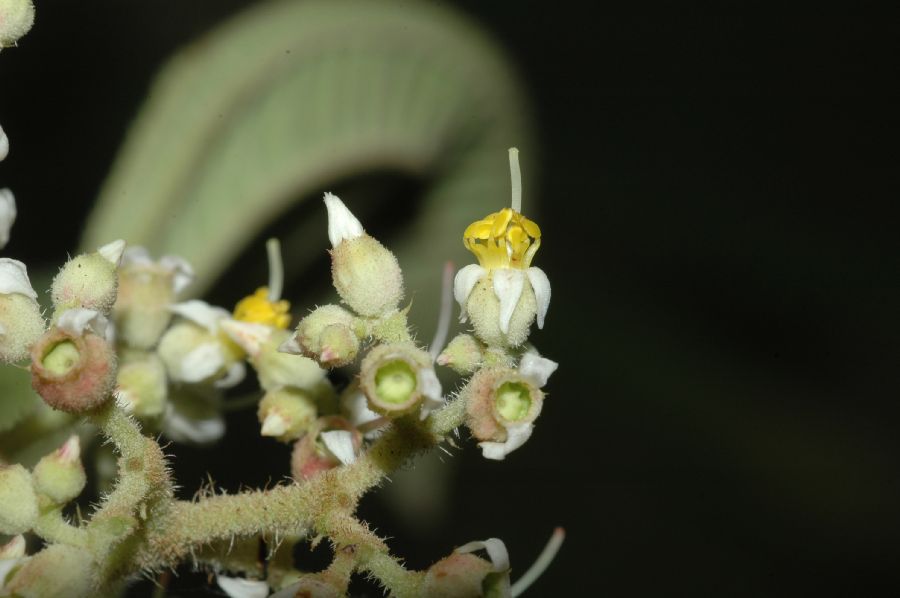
{"type": "Point", "coordinates": [61, 358]}
{"type": "Point", "coordinates": [513, 400]}
{"type": "Point", "coordinates": [395, 382]}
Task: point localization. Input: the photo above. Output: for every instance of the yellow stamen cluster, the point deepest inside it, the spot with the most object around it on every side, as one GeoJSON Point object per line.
{"type": "Point", "coordinates": [257, 308]}
{"type": "Point", "coordinates": [504, 239]}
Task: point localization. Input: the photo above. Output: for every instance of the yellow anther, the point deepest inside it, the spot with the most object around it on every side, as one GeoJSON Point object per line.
{"type": "Point", "coordinates": [504, 239]}
{"type": "Point", "coordinates": [258, 309]}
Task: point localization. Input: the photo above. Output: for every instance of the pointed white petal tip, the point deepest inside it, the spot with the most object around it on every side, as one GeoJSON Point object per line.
{"type": "Point", "coordinates": [70, 451]}
{"type": "Point", "coordinates": [342, 224]}
{"type": "Point", "coordinates": [430, 387]}
{"type": "Point", "coordinates": [14, 549]}
{"type": "Point", "coordinates": [274, 425]}
{"type": "Point", "coordinates": [463, 283]}
{"type": "Point", "coordinates": [340, 443]}
{"type": "Point", "coordinates": [7, 215]}
{"type": "Point", "coordinates": [238, 587]}
{"type": "Point", "coordinates": [290, 346]}
{"type": "Point", "coordinates": [78, 320]}
{"type": "Point", "coordinates": [357, 408]}
{"type": "Point", "coordinates": [248, 335]}
{"type": "Point", "coordinates": [537, 368]}
{"type": "Point", "coordinates": [201, 313]}
{"type": "Point", "coordinates": [508, 286]}
{"type": "Point", "coordinates": [112, 252]}
{"type": "Point", "coordinates": [516, 435]}
{"type": "Point", "coordinates": [4, 145]}
{"type": "Point", "coordinates": [14, 278]}
{"type": "Point", "coordinates": [495, 548]}
{"type": "Point", "coordinates": [540, 284]}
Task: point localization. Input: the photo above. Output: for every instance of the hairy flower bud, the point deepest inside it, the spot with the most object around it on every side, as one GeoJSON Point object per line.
{"type": "Point", "coordinates": [21, 323]}
{"type": "Point", "coordinates": [286, 413]}
{"type": "Point", "coordinates": [464, 354]}
{"type": "Point", "coordinates": [332, 441]}
{"type": "Point", "coordinates": [60, 475]}
{"type": "Point", "coordinates": [327, 336]}
{"type": "Point", "coordinates": [58, 571]}
{"type": "Point", "coordinates": [88, 280]}
{"type": "Point", "coordinates": [488, 314]}
{"type": "Point", "coordinates": [73, 373]}
{"type": "Point", "coordinates": [464, 575]}
{"type": "Point", "coordinates": [16, 19]}
{"type": "Point", "coordinates": [365, 273]}
{"type": "Point", "coordinates": [18, 502]}
{"type": "Point", "coordinates": [397, 377]}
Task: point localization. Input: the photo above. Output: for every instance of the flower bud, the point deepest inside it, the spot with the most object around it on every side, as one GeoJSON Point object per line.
{"type": "Point", "coordinates": [21, 323]}
{"type": "Point", "coordinates": [463, 354]}
{"type": "Point", "coordinates": [456, 576]}
{"type": "Point", "coordinates": [286, 413]}
{"type": "Point", "coordinates": [58, 571]}
{"type": "Point", "coordinates": [88, 280]}
{"type": "Point", "coordinates": [73, 373]}
{"type": "Point", "coordinates": [489, 315]}
{"type": "Point", "coordinates": [327, 336]}
{"type": "Point", "coordinates": [18, 502]}
{"type": "Point", "coordinates": [60, 475]}
{"type": "Point", "coordinates": [141, 385]}
{"type": "Point", "coordinates": [365, 273]}
{"type": "Point", "coordinates": [16, 19]}
{"type": "Point", "coordinates": [146, 290]}
{"type": "Point", "coordinates": [332, 441]}
{"type": "Point", "coordinates": [397, 377]}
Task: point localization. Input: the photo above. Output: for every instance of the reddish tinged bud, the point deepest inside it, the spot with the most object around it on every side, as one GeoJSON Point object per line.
{"type": "Point", "coordinates": [73, 373]}
{"type": "Point", "coordinates": [313, 453]}
{"type": "Point", "coordinates": [456, 576]}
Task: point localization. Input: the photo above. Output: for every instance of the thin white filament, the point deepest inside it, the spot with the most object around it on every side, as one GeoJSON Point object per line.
{"type": "Point", "coordinates": [443, 325]}
{"type": "Point", "coordinates": [540, 565]}
{"type": "Point", "coordinates": [515, 176]}
{"type": "Point", "coordinates": [276, 270]}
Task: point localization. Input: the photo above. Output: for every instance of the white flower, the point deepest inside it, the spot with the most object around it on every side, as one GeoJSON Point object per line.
{"type": "Point", "coordinates": [181, 271]}
{"type": "Point", "coordinates": [7, 206]}
{"type": "Point", "coordinates": [340, 443]}
{"type": "Point", "coordinates": [536, 370]}
{"type": "Point", "coordinates": [342, 224]}
{"type": "Point", "coordinates": [78, 320]}
{"type": "Point", "coordinates": [14, 278]}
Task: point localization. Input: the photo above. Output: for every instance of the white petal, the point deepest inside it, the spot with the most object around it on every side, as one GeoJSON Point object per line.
{"type": "Point", "coordinates": [238, 587]}
{"type": "Point", "coordinates": [508, 286]}
{"type": "Point", "coordinates": [78, 320]}
{"type": "Point", "coordinates": [274, 424]}
{"type": "Point", "coordinates": [516, 437]}
{"type": "Point", "coordinates": [290, 346]}
{"type": "Point", "coordinates": [249, 335]}
{"type": "Point", "coordinates": [113, 252]}
{"type": "Point", "coordinates": [182, 272]}
{"type": "Point", "coordinates": [340, 443]}
{"type": "Point", "coordinates": [465, 281]}
{"type": "Point", "coordinates": [536, 367]}
{"type": "Point", "coordinates": [357, 408]}
{"type": "Point", "coordinates": [180, 428]}
{"type": "Point", "coordinates": [7, 213]}
{"type": "Point", "coordinates": [14, 278]}
{"type": "Point", "coordinates": [342, 224]}
{"type": "Point", "coordinates": [430, 387]}
{"type": "Point", "coordinates": [136, 255]}
{"type": "Point", "coordinates": [234, 375]}
{"type": "Point", "coordinates": [200, 312]}
{"type": "Point", "coordinates": [495, 548]}
{"type": "Point", "coordinates": [540, 284]}
{"type": "Point", "coordinates": [4, 151]}
{"type": "Point", "coordinates": [201, 362]}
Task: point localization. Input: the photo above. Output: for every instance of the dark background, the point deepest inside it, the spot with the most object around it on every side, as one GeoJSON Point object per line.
{"type": "Point", "coordinates": [717, 205]}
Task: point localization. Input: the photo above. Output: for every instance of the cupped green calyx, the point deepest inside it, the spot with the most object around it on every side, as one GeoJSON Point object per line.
{"type": "Point", "coordinates": [61, 358]}
{"type": "Point", "coordinates": [395, 382]}
{"type": "Point", "coordinates": [512, 400]}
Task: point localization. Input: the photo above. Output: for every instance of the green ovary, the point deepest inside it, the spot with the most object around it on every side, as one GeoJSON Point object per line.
{"type": "Point", "coordinates": [395, 382]}
{"type": "Point", "coordinates": [61, 358]}
{"type": "Point", "coordinates": [513, 400]}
